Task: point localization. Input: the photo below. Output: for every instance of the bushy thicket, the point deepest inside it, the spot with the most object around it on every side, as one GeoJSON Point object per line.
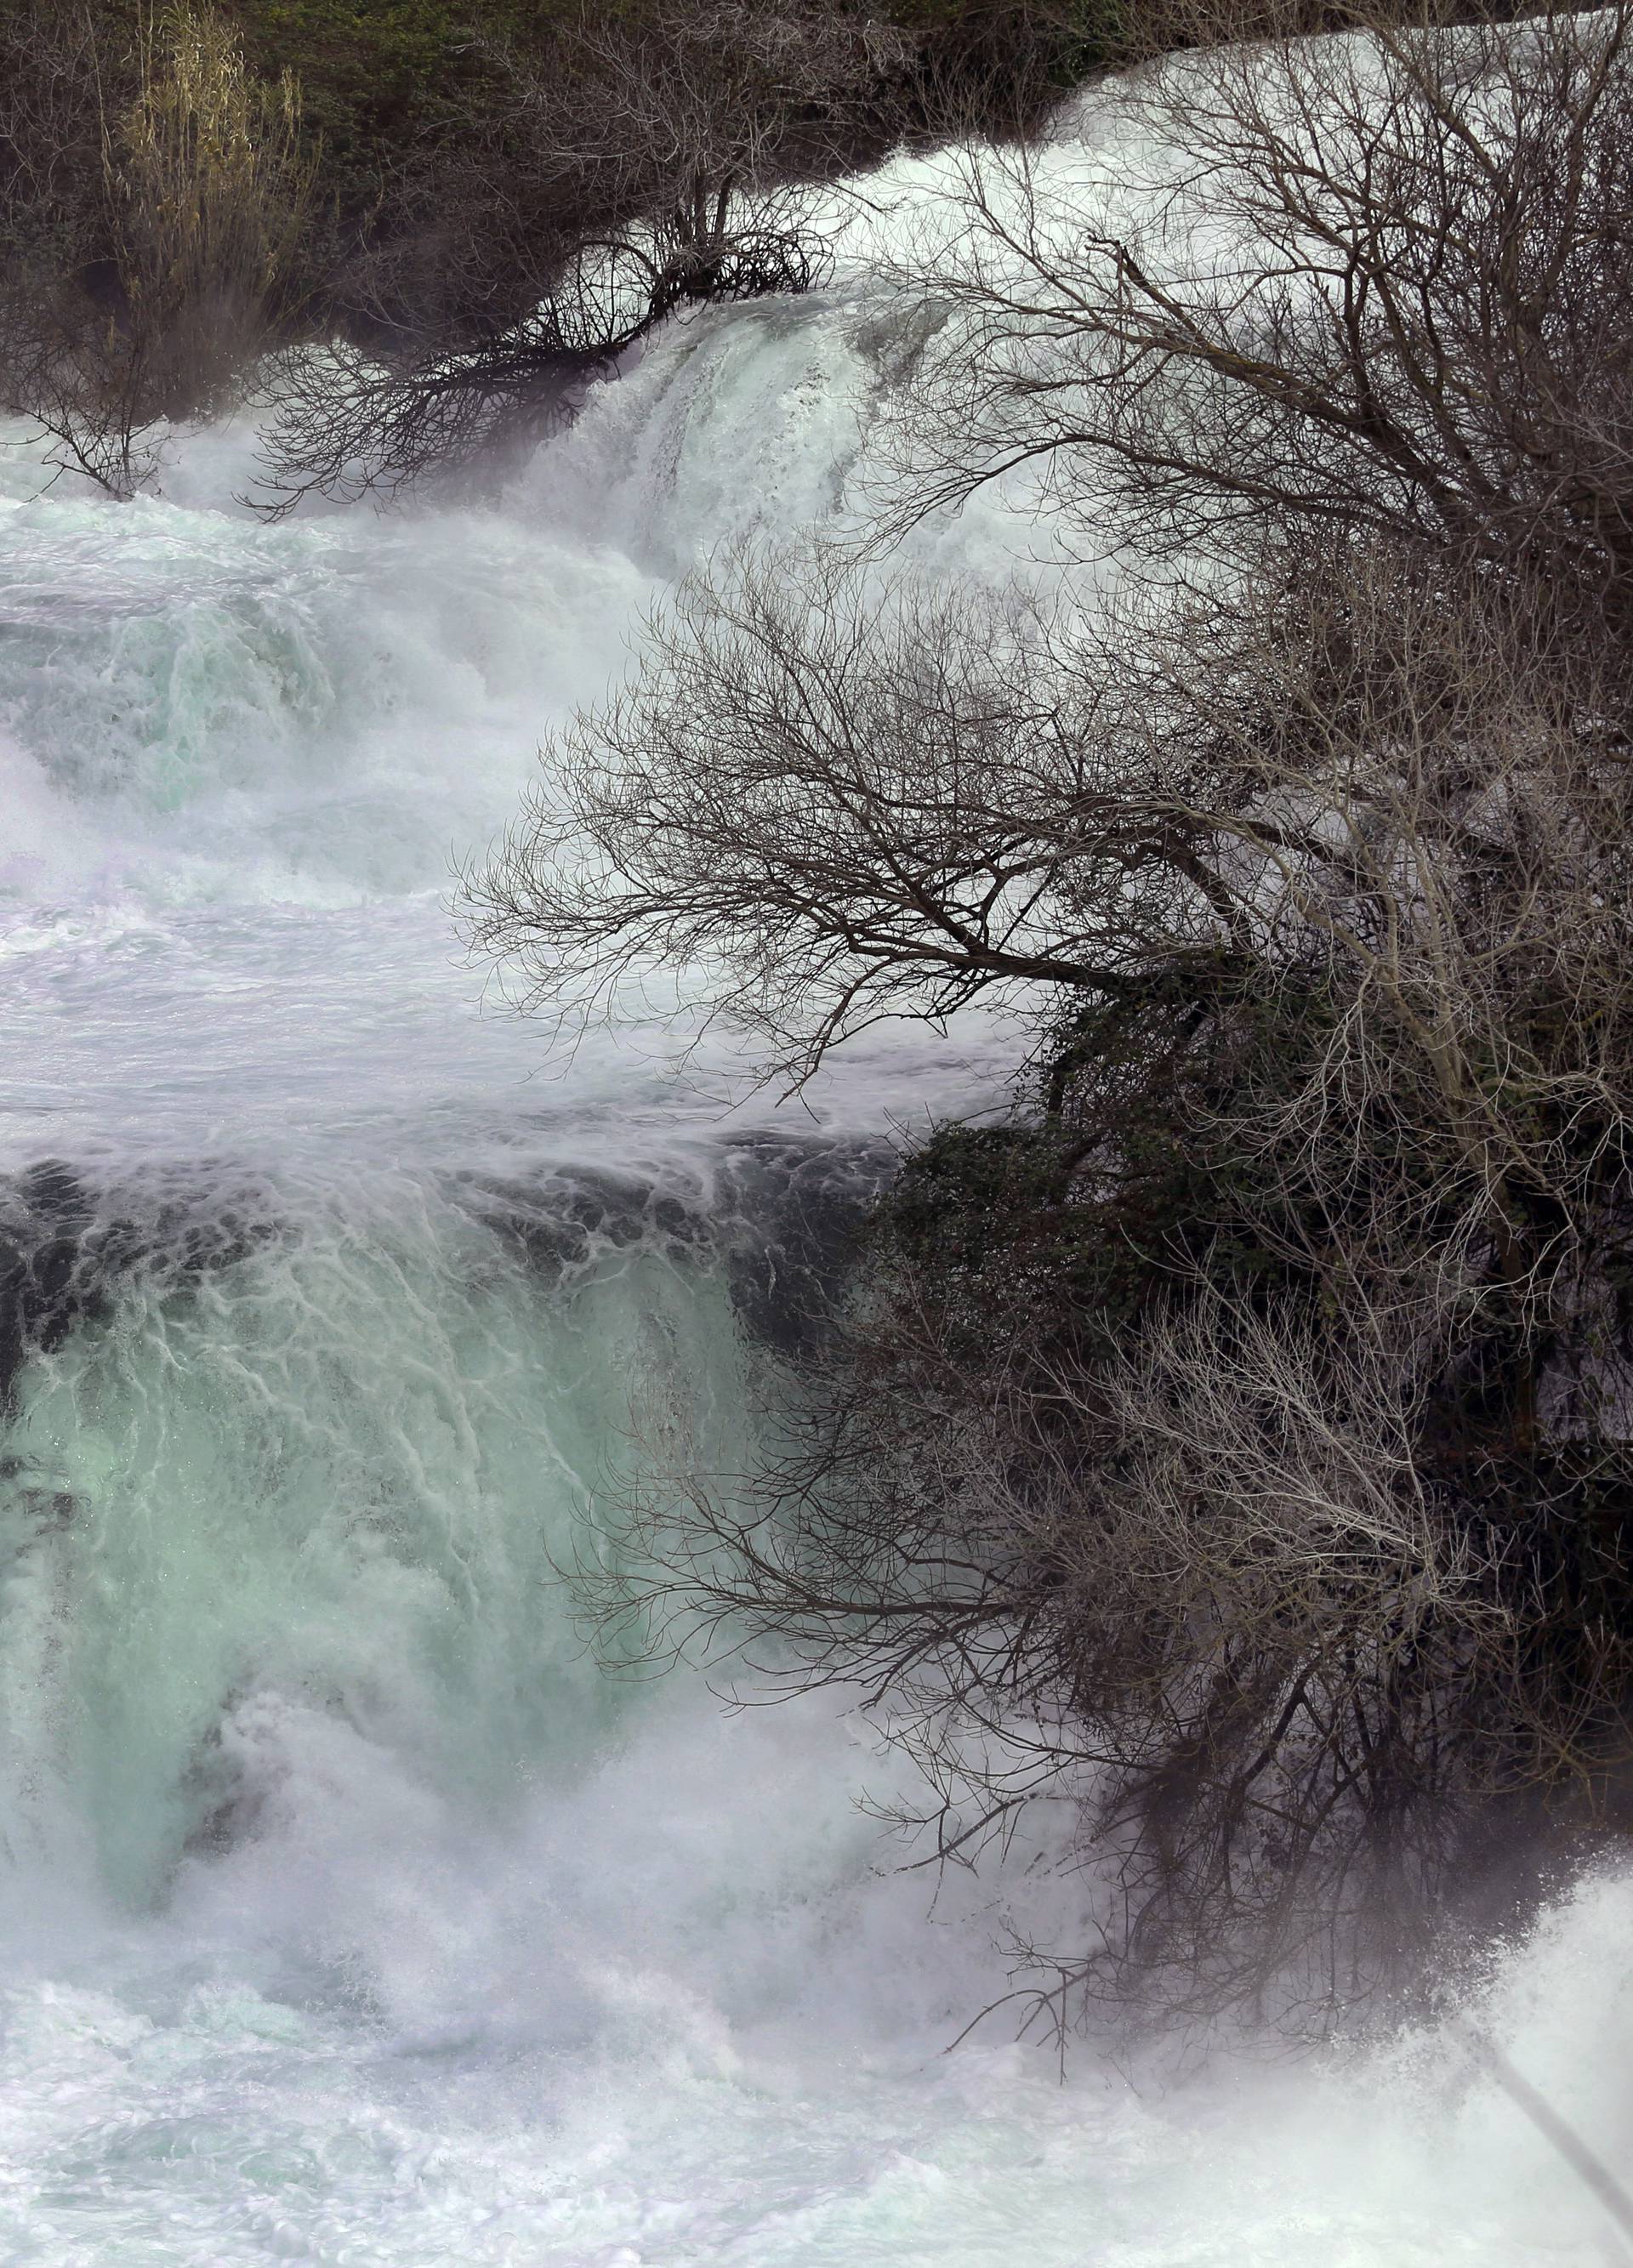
{"type": "Point", "coordinates": [1236, 1444]}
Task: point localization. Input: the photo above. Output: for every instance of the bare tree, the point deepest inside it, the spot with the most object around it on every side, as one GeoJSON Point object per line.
{"type": "Point", "coordinates": [1369, 283]}
{"type": "Point", "coordinates": [833, 809]}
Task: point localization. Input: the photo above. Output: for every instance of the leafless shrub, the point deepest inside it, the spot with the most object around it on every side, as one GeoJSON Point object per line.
{"type": "Point", "coordinates": [995, 70]}
{"type": "Point", "coordinates": [1156, 28]}
{"type": "Point", "coordinates": [55, 70]}
{"type": "Point", "coordinates": [211, 190]}
{"type": "Point", "coordinates": [1202, 1594]}
{"type": "Point", "coordinates": [50, 133]}
{"type": "Point", "coordinates": [167, 274]}
{"type": "Point", "coordinates": [345, 422]}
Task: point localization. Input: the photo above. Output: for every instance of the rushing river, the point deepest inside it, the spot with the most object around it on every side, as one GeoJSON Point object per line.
{"type": "Point", "coordinates": [348, 1915]}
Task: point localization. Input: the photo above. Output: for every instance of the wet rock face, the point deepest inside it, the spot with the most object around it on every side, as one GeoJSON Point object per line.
{"type": "Point", "coordinates": [45, 1287]}
{"type": "Point", "coordinates": [781, 1216]}
{"type": "Point", "coordinates": [803, 1206]}
{"type": "Point", "coordinates": [563, 1222]}
{"type": "Point", "coordinates": [65, 1243]}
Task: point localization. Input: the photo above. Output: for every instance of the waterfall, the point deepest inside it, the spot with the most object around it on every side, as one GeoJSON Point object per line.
{"type": "Point", "coordinates": [351, 1915]}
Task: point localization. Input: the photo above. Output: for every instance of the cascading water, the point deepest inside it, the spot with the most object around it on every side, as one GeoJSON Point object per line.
{"type": "Point", "coordinates": [349, 1916]}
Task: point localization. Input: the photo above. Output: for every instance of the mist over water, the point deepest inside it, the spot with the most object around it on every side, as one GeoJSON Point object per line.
{"type": "Point", "coordinates": [349, 1916]}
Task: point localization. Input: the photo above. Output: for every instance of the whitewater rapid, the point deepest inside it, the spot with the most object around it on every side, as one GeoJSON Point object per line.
{"type": "Point", "coordinates": [348, 1914]}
